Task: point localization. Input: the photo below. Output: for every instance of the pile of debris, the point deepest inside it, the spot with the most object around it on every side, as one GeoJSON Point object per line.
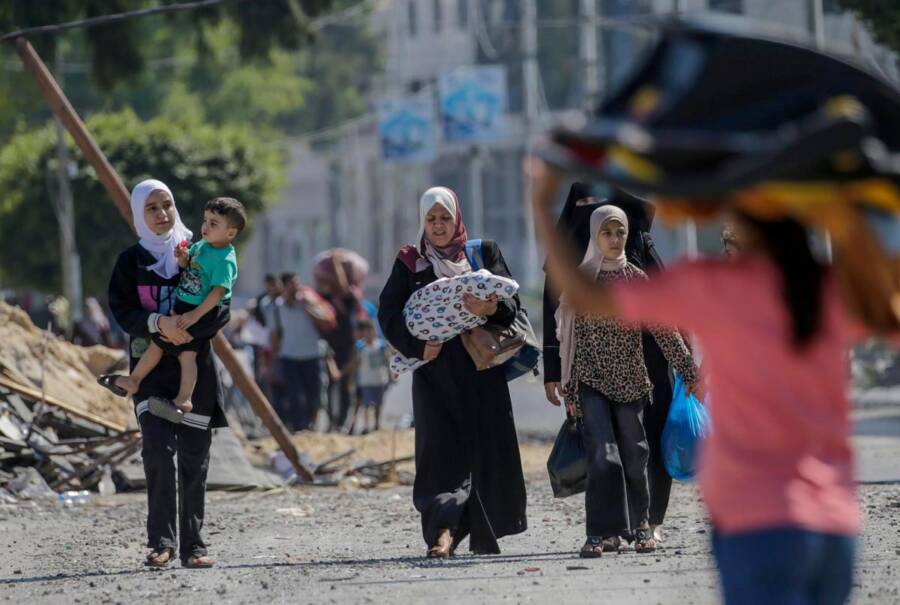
{"type": "Point", "coordinates": [59, 430]}
{"type": "Point", "coordinates": [378, 459]}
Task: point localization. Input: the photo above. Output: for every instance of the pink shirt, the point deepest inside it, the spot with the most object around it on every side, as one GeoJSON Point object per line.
{"type": "Point", "coordinates": [779, 454]}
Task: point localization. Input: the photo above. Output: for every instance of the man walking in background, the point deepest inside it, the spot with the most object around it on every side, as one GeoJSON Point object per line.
{"type": "Point", "coordinates": [297, 320]}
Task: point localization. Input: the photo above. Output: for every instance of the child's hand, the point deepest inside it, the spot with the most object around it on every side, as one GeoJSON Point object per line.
{"type": "Point", "coordinates": [188, 319]}
{"type": "Point", "coordinates": [182, 255]}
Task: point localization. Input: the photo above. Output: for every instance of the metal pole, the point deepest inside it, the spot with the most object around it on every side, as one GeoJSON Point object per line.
{"type": "Point", "coordinates": [530, 75]}
{"type": "Point", "coordinates": [817, 22]}
{"type": "Point", "coordinates": [589, 62]}
{"type": "Point", "coordinates": [476, 191]}
{"type": "Point", "coordinates": [116, 189]}
{"type": "Point", "coordinates": [65, 214]}
{"type": "Point", "coordinates": [817, 30]}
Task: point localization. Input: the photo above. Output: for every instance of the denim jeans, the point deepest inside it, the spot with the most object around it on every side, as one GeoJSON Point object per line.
{"type": "Point", "coordinates": [785, 566]}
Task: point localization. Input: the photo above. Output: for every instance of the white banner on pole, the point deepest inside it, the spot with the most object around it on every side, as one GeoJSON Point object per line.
{"type": "Point", "coordinates": [407, 129]}
{"type": "Point", "coordinates": [473, 104]}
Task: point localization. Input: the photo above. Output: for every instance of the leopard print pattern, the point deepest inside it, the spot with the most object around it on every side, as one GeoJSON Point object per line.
{"type": "Point", "coordinates": [609, 355]}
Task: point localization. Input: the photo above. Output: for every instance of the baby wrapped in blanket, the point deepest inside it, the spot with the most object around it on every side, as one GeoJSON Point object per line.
{"type": "Point", "coordinates": [436, 313]}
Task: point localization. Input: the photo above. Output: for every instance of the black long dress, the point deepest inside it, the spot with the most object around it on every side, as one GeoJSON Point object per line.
{"type": "Point", "coordinates": [468, 471]}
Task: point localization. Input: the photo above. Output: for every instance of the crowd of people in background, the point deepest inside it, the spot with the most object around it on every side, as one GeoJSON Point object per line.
{"type": "Point", "coordinates": [315, 350]}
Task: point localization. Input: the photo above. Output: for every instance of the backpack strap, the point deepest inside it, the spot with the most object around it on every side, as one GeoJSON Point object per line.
{"type": "Point", "coordinates": [475, 254]}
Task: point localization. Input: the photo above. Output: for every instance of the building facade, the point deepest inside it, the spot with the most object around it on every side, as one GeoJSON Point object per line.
{"type": "Point", "coordinates": [346, 195]}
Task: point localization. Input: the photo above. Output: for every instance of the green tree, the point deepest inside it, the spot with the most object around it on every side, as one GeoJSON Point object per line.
{"type": "Point", "coordinates": [118, 51]}
{"type": "Point", "coordinates": [197, 161]}
{"type": "Point", "coordinates": [882, 17]}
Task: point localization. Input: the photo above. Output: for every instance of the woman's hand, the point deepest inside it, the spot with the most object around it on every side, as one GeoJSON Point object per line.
{"type": "Point", "coordinates": [476, 306]}
{"type": "Point", "coordinates": [432, 350]}
{"type": "Point", "coordinates": [168, 327]}
{"type": "Point", "coordinates": [552, 390]}
{"type": "Point", "coordinates": [696, 390]}
{"type": "Point", "coordinates": [188, 319]}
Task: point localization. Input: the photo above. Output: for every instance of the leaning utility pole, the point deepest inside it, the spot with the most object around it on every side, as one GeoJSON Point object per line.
{"type": "Point", "coordinates": [116, 189]}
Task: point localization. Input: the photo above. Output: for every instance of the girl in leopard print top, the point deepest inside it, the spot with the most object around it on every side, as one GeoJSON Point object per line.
{"type": "Point", "coordinates": [609, 356]}
{"type": "Point", "coordinates": [605, 382]}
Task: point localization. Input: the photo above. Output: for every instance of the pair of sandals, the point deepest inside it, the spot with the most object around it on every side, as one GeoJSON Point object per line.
{"type": "Point", "coordinates": [594, 547]}
{"type": "Point", "coordinates": [159, 406]}
{"type": "Point", "coordinates": [161, 557]}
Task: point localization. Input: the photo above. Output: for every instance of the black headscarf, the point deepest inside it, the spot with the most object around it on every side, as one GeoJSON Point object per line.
{"type": "Point", "coordinates": [574, 221]}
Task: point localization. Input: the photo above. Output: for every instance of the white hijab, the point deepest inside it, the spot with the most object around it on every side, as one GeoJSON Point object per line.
{"type": "Point", "coordinates": [592, 264]}
{"type": "Point", "coordinates": [443, 266]}
{"type": "Point", "coordinates": [162, 247]}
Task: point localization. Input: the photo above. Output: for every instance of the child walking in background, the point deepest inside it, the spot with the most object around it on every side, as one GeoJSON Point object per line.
{"type": "Point", "coordinates": [209, 272]}
{"type": "Point", "coordinates": [372, 374]}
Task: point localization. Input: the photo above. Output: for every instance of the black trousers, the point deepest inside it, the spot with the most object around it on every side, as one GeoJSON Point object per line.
{"type": "Point", "coordinates": [340, 398]}
{"type": "Point", "coordinates": [655, 416]}
{"type": "Point", "coordinates": [175, 491]}
{"type": "Point", "coordinates": [617, 497]}
{"type": "Point", "coordinates": [301, 396]}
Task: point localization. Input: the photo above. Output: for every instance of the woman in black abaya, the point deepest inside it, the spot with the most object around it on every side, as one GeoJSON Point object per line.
{"type": "Point", "coordinates": [468, 472]}
{"type": "Point", "coordinates": [574, 221]}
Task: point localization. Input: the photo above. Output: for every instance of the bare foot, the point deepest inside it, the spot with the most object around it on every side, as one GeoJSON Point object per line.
{"type": "Point", "coordinates": [128, 383]}
{"type": "Point", "coordinates": [443, 547]}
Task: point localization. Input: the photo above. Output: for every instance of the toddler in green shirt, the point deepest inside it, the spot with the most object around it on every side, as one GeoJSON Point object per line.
{"type": "Point", "coordinates": [209, 272]}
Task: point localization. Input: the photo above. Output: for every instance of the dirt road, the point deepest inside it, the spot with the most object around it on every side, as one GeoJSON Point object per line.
{"type": "Point", "coordinates": [321, 545]}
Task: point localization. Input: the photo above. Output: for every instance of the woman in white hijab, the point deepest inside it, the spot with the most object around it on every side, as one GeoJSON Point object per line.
{"type": "Point", "coordinates": [605, 383]}
{"type": "Point", "coordinates": [141, 296]}
{"type": "Point", "coordinates": [468, 474]}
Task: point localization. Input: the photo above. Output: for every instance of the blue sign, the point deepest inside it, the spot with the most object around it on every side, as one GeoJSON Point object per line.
{"type": "Point", "coordinates": [406, 128]}
{"type": "Point", "coordinates": [473, 104]}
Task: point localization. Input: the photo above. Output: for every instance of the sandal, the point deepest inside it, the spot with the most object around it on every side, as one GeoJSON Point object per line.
{"type": "Point", "coordinates": [165, 409]}
{"type": "Point", "coordinates": [108, 381]}
{"type": "Point", "coordinates": [154, 559]}
{"type": "Point", "coordinates": [592, 549]}
{"type": "Point", "coordinates": [644, 542]}
{"type": "Point", "coordinates": [197, 562]}
{"type": "Point", "coordinates": [443, 547]}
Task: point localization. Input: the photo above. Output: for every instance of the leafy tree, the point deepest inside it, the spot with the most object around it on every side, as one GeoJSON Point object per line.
{"type": "Point", "coordinates": [118, 51]}
{"type": "Point", "coordinates": [197, 161]}
{"type": "Point", "coordinates": [882, 17]}
{"type": "Point", "coordinates": [193, 64]}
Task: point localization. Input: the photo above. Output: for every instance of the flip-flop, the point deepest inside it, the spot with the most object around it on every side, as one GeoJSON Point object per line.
{"type": "Point", "coordinates": [109, 381]}
{"type": "Point", "coordinates": [197, 562]}
{"type": "Point", "coordinates": [165, 409]}
{"type": "Point", "coordinates": [153, 558]}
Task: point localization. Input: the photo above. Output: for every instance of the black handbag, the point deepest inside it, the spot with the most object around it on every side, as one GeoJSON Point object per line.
{"type": "Point", "coordinates": [568, 463]}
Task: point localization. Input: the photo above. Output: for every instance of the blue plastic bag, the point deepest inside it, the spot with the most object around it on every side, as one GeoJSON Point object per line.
{"type": "Point", "coordinates": [686, 425]}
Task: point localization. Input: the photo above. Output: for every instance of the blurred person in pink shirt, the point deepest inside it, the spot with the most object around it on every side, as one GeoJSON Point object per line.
{"type": "Point", "coordinates": [776, 475]}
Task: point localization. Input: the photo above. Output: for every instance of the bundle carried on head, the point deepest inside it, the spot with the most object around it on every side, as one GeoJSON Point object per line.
{"type": "Point", "coordinates": [355, 267]}
{"type": "Point", "coordinates": [714, 117]}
